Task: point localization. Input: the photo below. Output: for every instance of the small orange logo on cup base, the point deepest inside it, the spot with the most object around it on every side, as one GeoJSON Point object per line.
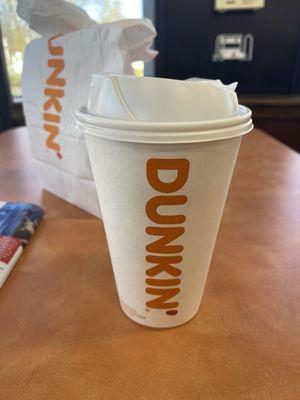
{"type": "Point", "coordinates": [164, 256]}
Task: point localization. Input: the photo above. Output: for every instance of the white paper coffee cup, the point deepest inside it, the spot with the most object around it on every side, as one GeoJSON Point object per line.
{"type": "Point", "coordinates": [162, 188]}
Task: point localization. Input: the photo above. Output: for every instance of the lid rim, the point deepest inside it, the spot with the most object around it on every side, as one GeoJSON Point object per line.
{"type": "Point", "coordinates": [83, 116]}
{"type": "Point", "coordinates": [165, 137]}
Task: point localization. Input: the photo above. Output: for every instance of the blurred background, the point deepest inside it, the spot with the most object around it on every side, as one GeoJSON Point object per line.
{"type": "Point", "coordinates": [254, 42]}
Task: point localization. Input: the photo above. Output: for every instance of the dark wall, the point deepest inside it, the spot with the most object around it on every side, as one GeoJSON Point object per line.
{"type": "Point", "coordinates": [186, 41]}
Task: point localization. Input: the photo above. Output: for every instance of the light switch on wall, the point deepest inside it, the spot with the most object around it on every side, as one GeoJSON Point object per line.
{"type": "Point", "coordinates": [228, 5]}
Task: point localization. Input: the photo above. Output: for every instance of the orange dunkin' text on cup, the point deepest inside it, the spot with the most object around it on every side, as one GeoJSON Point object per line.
{"type": "Point", "coordinates": [162, 256]}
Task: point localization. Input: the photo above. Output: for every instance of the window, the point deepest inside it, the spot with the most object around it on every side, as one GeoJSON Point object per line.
{"type": "Point", "coordinates": [16, 34]}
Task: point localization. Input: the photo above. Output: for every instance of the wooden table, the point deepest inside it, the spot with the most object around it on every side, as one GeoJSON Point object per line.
{"type": "Point", "coordinates": [63, 335]}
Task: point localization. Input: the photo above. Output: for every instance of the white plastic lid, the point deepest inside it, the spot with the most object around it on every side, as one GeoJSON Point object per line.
{"type": "Point", "coordinates": [148, 99]}
{"type": "Point", "coordinates": [165, 132]}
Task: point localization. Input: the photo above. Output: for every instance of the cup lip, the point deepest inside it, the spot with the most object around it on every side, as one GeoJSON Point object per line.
{"type": "Point", "coordinates": [83, 116]}
{"type": "Point", "coordinates": [166, 137]}
{"type": "Point", "coordinates": [168, 133]}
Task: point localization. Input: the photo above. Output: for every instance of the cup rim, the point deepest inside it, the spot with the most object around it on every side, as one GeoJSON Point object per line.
{"type": "Point", "coordinates": [162, 132]}
{"type": "Point", "coordinates": [166, 137]}
{"type": "Point", "coordinates": [83, 116]}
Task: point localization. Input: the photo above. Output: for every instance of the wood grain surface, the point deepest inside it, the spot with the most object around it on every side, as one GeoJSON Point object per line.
{"type": "Point", "coordinates": [63, 335]}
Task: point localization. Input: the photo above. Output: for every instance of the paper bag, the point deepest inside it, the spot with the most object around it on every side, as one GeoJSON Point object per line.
{"type": "Point", "coordinates": [56, 75]}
